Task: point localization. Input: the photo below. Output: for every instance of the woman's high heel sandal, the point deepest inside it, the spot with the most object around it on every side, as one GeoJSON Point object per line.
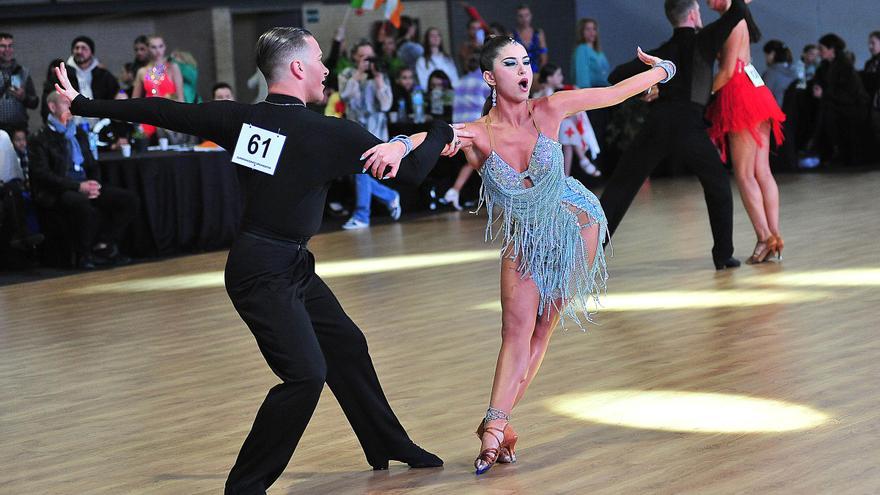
{"type": "Point", "coordinates": [763, 249]}
{"type": "Point", "coordinates": [506, 454]}
{"type": "Point", "coordinates": [780, 244]}
{"type": "Point", "coordinates": [489, 456]}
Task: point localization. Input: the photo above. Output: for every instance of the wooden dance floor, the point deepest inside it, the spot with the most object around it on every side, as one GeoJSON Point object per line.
{"type": "Point", "coordinates": [764, 379]}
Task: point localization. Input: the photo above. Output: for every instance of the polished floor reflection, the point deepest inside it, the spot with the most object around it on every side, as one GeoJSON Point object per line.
{"type": "Point", "coordinates": [759, 380]}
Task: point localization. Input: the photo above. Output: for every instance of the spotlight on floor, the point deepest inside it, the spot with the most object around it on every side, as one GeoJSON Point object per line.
{"type": "Point", "coordinates": [327, 269]}
{"type": "Point", "coordinates": [855, 277]}
{"type": "Point", "coordinates": [671, 410]}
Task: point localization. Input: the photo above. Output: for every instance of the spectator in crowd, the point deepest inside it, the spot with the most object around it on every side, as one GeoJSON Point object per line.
{"type": "Point", "coordinates": [590, 69]}
{"type": "Point", "coordinates": [141, 48]}
{"type": "Point", "coordinates": [66, 178]}
{"type": "Point", "coordinates": [141, 53]}
{"type": "Point", "coordinates": [93, 81]}
{"type": "Point", "coordinates": [401, 93]}
{"type": "Point", "coordinates": [17, 92]}
{"type": "Point", "coordinates": [779, 73]}
{"type": "Point", "coordinates": [435, 58]}
{"type": "Point", "coordinates": [475, 39]}
{"type": "Point", "coordinates": [389, 56]}
{"type": "Point", "coordinates": [467, 106]}
{"type": "Point", "coordinates": [408, 48]}
{"type": "Point", "coordinates": [51, 80]}
{"type": "Point", "coordinates": [576, 134]}
{"type": "Point", "coordinates": [530, 37]}
{"type": "Point", "coordinates": [808, 63]}
{"type": "Point", "coordinates": [842, 103]}
{"type": "Point", "coordinates": [160, 78]}
{"type": "Point", "coordinates": [588, 63]}
{"type": "Point", "coordinates": [12, 186]}
{"type": "Point", "coordinates": [19, 142]}
{"type": "Point", "coordinates": [366, 91]}
{"type": "Point", "coordinates": [189, 71]}
{"type": "Point", "coordinates": [871, 80]}
{"type": "Point", "coordinates": [439, 96]}
{"type": "Point", "coordinates": [497, 29]}
{"type": "Point", "coordinates": [222, 91]}
{"type": "Point", "coordinates": [471, 92]}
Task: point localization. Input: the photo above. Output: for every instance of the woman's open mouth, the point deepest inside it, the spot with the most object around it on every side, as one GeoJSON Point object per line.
{"type": "Point", "coordinates": [524, 84]}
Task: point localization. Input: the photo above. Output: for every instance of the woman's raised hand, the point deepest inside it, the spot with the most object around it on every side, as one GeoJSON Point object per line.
{"type": "Point", "coordinates": [647, 59]}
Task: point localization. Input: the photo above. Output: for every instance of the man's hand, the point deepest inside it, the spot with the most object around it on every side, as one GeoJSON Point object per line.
{"type": "Point", "coordinates": [18, 93]}
{"type": "Point", "coordinates": [65, 89]}
{"type": "Point", "coordinates": [463, 139]}
{"type": "Point", "coordinates": [651, 94]}
{"type": "Point", "coordinates": [381, 157]}
{"type": "Point", "coordinates": [90, 188]}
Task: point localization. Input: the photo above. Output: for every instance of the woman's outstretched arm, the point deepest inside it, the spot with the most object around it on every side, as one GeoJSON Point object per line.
{"type": "Point", "coordinates": [571, 102]}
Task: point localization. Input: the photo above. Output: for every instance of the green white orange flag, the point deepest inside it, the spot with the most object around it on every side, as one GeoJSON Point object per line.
{"type": "Point", "coordinates": [393, 8]}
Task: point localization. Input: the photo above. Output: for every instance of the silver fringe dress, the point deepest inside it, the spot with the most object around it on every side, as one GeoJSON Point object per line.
{"type": "Point", "coordinates": [538, 225]}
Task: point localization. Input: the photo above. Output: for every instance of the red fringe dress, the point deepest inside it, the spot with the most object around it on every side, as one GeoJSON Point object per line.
{"type": "Point", "coordinates": [739, 105]}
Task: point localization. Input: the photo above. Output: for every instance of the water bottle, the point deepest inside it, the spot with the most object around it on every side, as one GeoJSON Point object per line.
{"type": "Point", "coordinates": [93, 139]}
{"type": "Point", "coordinates": [418, 101]}
{"type": "Point", "coordinates": [401, 111]}
{"type": "Point", "coordinates": [436, 101]}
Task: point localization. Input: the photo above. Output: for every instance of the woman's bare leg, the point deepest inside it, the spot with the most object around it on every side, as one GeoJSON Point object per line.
{"type": "Point", "coordinates": [545, 324]}
{"type": "Point", "coordinates": [743, 149]}
{"type": "Point", "coordinates": [519, 305]}
{"type": "Point", "coordinates": [463, 175]}
{"type": "Point", "coordinates": [769, 189]}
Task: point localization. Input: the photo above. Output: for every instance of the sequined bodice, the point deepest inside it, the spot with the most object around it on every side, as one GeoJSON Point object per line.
{"type": "Point", "coordinates": [546, 158]}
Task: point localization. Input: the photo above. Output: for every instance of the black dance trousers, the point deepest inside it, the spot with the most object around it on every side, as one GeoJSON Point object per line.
{"type": "Point", "coordinates": [307, 340]}
{"type": "Point", "coordinates": [675, 130]}
{"type": "Point", "coordinates": [104, 218]}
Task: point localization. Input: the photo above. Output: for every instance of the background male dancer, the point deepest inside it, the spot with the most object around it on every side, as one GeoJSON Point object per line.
{"type": "Point", "coordinates": [290, 154]}
{"type": "Point", "coordinates": [675, 125]}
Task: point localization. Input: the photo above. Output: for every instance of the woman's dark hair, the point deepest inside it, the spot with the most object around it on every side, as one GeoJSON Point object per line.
{"type": "Point", "coordinates": [546, 72]}
{"type": "Point", "coordinates": [439, 74]}
{"type": "Point", "coordinates": [836, 43]}
{"type": "Point", "coordinates": [427, 46]}
{"type": "Point", "coordinates": [580, 32]}
{"type": "Point", "coordinates": [488, 53]}
{"type": "Point", "coordinates": [875, 34]}
{"type": "Point", "coordinates": [361, 43]}
{"type": "Point", "coordinates": [781, 53]}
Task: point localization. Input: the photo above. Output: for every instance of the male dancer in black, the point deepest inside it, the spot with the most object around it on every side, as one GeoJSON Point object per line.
{"type": "Point", "coordinates": [289, 154]}
{"type": "Point", "coordinates": [675, 125]}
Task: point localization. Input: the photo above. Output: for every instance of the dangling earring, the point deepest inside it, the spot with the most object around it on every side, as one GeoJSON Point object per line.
{"type": "Point", "coordinates": [494, 96]}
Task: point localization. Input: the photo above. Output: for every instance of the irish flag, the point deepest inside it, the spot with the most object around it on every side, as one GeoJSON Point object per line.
{"type": "Point", "coordinates": [393, 8]}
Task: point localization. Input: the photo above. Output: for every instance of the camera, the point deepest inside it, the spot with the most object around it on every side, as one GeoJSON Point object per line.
{"type": "Point", "coordinates": [377, 64]}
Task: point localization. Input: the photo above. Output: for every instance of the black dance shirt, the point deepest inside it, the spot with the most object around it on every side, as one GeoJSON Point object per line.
{"type": "Point", "coordinates": [694, 53]}
{"type": "Point", "coordinates": [290, 203]}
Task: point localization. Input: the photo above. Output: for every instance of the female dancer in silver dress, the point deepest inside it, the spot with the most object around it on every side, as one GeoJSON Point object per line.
{"type": "Point", "coordinates": [552, 227]}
